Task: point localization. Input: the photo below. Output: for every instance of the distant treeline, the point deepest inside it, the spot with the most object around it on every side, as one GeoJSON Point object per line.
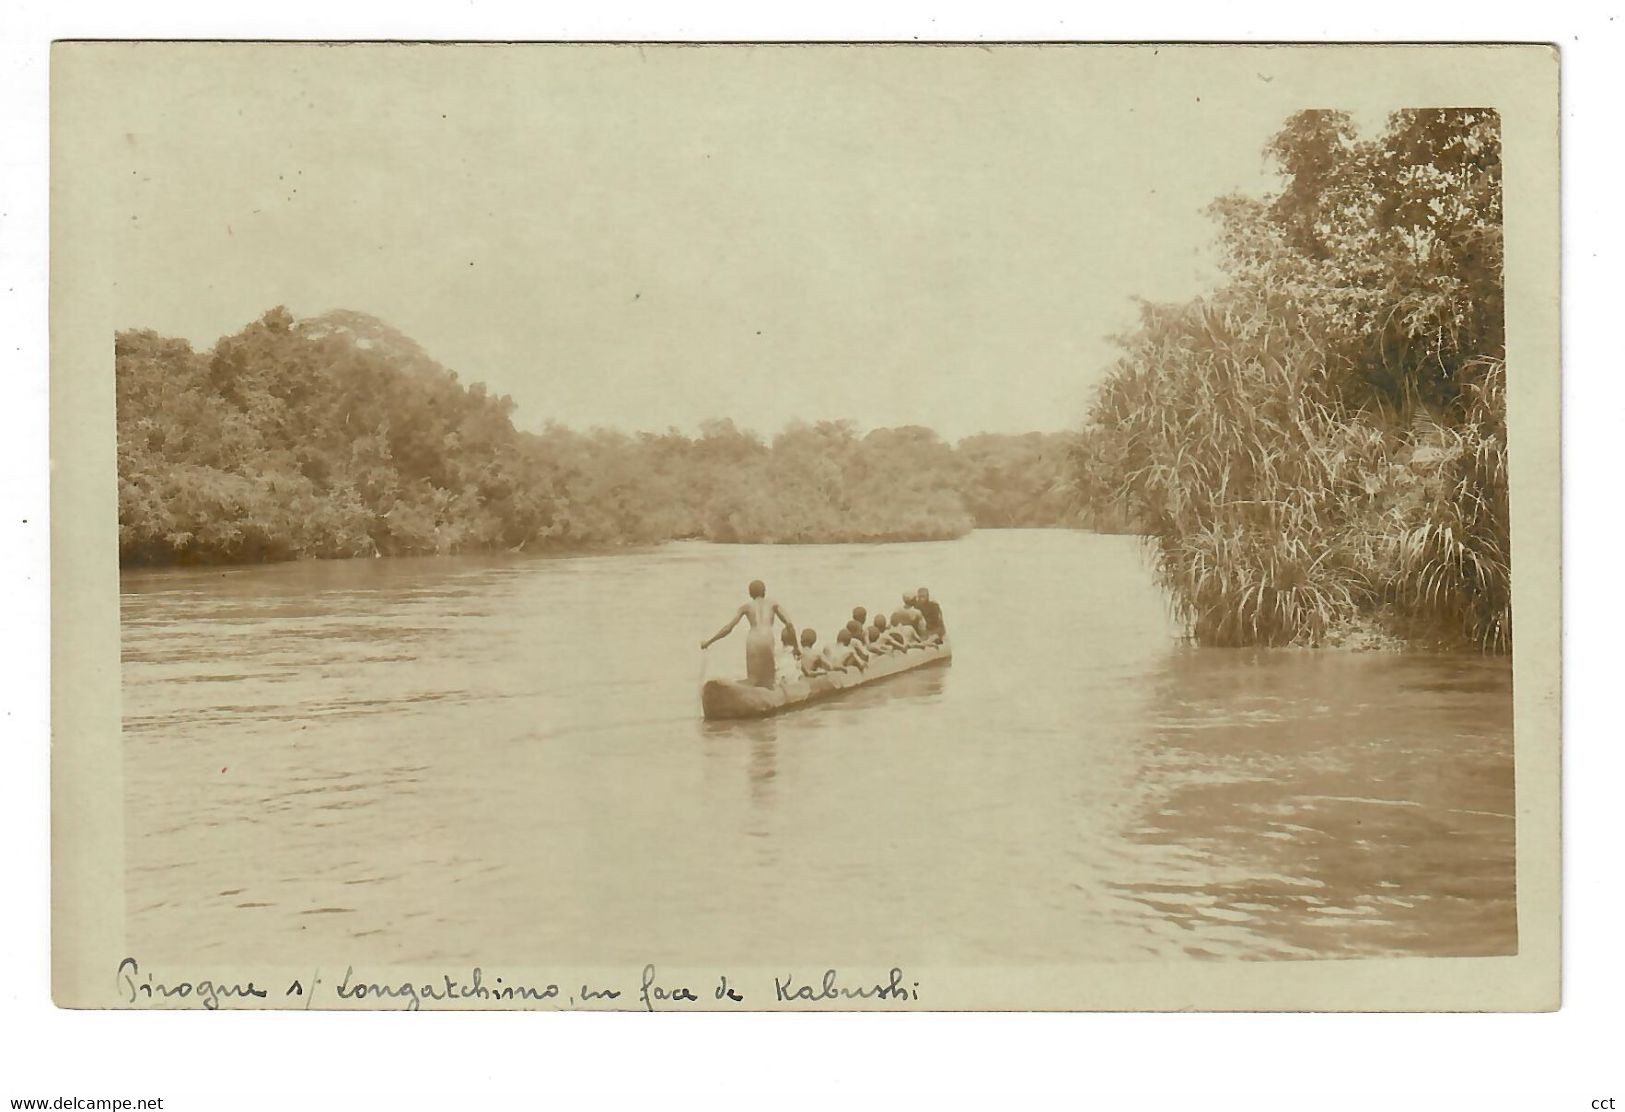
{"type": "Point", "coordinates": [337, 436]}
{"type": "Point", "coordinates": [1319, 447]}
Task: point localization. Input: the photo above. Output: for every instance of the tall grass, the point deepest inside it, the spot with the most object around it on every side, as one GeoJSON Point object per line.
{"type": "Point", "coordinates": [1278, 514]}
{"type": "Point", "coordinates": [1321, 444]}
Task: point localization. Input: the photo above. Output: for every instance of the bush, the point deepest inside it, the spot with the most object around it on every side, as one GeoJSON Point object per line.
{"type": "Point", "coordinates": [1323, 440]}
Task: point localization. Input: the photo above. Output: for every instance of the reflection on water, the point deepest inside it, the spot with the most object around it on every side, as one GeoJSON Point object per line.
{"type": "Point", "coordinates": [502, 759]}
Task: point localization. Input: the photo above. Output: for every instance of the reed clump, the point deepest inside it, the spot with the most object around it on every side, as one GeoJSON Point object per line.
{"type": "Point", "coordinates": [1320, 445]}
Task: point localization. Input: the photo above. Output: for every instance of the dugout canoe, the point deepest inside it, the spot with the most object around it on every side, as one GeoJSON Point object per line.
{"type": "Point", "coordinates": [737, 699]}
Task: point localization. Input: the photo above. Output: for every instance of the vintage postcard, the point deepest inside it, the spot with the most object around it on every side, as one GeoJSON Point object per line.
{"type": "Point", "coordinates": [688, 527]}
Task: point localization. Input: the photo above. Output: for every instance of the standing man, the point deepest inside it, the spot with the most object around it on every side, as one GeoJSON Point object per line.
{"type": "Point", "coordinates": [760, 611]}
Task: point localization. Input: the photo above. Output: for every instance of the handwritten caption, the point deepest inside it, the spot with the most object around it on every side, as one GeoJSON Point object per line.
{"type": "Point", "coordinates": [139, 987]}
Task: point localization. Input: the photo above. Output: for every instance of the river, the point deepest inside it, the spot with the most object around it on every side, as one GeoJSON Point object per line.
{"type": "Point", "coordinates": [502, 760]}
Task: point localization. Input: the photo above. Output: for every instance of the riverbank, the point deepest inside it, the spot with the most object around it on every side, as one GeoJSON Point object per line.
{"type": "Point", "coordinates": [543, 549]}
{"type": "Point", "coordinates": [337, 436]}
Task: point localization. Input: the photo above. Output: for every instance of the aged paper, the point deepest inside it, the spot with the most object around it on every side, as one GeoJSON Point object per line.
{"type": "Point", "coordinates": [478, 763]}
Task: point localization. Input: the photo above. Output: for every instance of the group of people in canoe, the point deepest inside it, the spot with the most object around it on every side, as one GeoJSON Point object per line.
{"type": "Point", "coordinates": [917, 624]}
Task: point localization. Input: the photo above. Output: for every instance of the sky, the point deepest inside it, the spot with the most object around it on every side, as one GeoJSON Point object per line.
{"type": "Point", "coordinates": [644, 238]}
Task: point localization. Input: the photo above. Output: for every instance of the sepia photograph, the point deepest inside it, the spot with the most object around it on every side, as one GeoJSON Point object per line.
{"type": "Point", "coordinates": [765, 526]}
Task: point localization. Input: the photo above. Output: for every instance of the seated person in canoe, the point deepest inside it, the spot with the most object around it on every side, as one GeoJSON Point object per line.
{"type": "Point", "coordinates": [844, 654]}
{"type": "Point", "coordinates": [789, 660]}
{"type": "Point", "coordinates": [902, 629]}
{"type": "Point", "coordinates": [812, 661]}
{"type": "Point", "coordinates": [907, 615]}
{"type": "Point", "coordinates": [882, 639]}
{"type": "Point", "coordinates": [859, 642]}
{"type": "Point", "coordinates": [931, 612]}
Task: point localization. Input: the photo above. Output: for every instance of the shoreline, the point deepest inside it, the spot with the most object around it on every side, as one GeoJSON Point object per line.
{"type": "Point", "coordinates": [570, 551]}
{"type": "Point", "coordinates": [1361, 634]}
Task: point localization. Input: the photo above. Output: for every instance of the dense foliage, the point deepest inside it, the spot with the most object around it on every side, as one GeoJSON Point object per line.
{"type": "Point", "coordinates": [1320, 445]}
{"type": "Point", "coordinates": [330, 437]}
{"type": "Point", "coordinates": [338, 436]}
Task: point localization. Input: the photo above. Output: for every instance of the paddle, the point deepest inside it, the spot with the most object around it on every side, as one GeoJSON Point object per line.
{"type": "Point", "coordinates": [705, 669]}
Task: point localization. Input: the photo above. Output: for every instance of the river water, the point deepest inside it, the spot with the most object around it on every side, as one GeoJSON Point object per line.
{"type": "Point", "coordinates": [502, 760]}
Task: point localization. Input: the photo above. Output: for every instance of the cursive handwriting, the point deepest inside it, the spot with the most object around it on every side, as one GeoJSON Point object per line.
{"type": "Point", "coordinates": [414, 994]}
{"type": "Point", "coordinates": [134, 990]}
{"type": "Point", "coordinates": [652, 993]}
{"type": "Point", "coordinates": [135, 986]}
{"type": "Point", "coordinates": [830, 988]}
